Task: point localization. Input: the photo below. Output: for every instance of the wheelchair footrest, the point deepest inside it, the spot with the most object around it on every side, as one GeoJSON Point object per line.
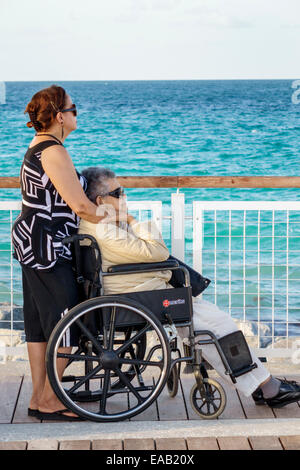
{"type": "Point", "coordinates": [244, 370]}
{"type": "Point", "coordinates": [237, 354]}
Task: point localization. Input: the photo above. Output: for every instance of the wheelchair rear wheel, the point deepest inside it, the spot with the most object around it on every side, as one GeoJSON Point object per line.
{"type": "Point", "coordinates": [121, 383]}
{"type": "Point", "coordinates": [210, 400]}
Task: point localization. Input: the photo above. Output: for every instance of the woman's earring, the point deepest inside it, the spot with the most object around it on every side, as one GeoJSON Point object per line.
{"type": "Point", "coordinates": [62, 130]}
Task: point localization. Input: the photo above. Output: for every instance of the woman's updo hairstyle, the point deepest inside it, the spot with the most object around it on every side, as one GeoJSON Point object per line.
{"type": "Point", "coordinates": [44, 106]}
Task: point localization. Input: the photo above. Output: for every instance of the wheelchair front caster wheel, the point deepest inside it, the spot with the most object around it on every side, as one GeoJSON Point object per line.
{"type": "Point", "coordinates": [210, 401]}
{"type": "Point", "coordinates": [172, 382]}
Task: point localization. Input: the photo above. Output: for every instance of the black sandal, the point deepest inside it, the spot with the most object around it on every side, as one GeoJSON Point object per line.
{"type": "Point", "coordinates": [58, 416]}
{"type": "Point", "coordinates": [33, 413]}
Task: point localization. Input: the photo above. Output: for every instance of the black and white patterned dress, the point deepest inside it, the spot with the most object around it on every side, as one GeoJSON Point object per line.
{"type": "Point", "coordinates": [45, 218]}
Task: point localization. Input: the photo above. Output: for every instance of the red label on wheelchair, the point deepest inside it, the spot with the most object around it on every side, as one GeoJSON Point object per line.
{"type": "Point", "coordinates": [167, 303]}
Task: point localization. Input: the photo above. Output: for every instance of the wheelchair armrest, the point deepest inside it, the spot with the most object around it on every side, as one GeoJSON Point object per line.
{"type": "Point", "coordinates": [144, 267]}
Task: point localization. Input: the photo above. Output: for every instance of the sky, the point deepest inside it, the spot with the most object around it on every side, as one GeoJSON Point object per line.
{"type": "Point", "coordinates": [149, 39]}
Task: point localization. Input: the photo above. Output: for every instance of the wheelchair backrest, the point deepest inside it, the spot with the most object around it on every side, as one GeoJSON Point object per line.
{"type": "Point", "coordinates": [87, 262]}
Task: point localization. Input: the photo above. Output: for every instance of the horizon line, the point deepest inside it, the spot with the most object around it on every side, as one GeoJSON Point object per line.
{"type": "Point", "coordinates": [145, 80]}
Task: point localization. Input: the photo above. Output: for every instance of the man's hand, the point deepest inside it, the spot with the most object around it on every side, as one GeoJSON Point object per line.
{"type": "Point", "coordinates": [111, 215]}
{"type": "Point", "coordinates": [130, 219]}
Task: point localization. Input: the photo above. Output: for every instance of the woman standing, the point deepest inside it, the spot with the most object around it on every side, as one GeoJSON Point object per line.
{"type": "Point", "coordinates": [53, 201]}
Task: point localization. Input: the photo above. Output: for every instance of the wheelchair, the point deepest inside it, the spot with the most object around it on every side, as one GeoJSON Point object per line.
{"type": "Point", "coordinates": [127, 349]}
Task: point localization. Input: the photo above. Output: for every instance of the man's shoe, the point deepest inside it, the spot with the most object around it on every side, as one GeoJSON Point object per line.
{"type": "Point", "coordinates": [289, 392]}
{"type": "Point", "coordinates": [258, 397]}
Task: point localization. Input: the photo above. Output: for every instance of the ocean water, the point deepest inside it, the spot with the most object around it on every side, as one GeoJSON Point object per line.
{"type": "Point", "coordinates": [209, 127]}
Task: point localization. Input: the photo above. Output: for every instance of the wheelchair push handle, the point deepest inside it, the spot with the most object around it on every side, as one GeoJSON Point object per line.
{"type": "Point", "coordinates": [78, 238]}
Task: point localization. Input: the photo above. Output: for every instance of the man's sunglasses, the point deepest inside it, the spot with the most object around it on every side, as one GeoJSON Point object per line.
{"type": "Point", "coordinates": [72, 109]}
{"type": "Point", "coordinates": [117, 193]}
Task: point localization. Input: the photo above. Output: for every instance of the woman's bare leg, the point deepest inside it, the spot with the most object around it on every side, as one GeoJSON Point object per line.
{"type": "Point", "coordinates": [36, 354]}
{"type": "Point", "coordinates": [49, 402]}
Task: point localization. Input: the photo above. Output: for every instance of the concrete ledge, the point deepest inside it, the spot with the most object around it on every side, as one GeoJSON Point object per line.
{"type": "Point", "coordinates": [149, 429]}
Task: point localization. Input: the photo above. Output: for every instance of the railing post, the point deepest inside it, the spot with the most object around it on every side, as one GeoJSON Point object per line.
{"type": "Point", "coordinates": [197, 236]}
{"type": "Point", "coordinates": [178, 225]}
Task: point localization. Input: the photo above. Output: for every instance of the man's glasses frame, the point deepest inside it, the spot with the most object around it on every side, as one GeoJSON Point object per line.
{"type": "Point", "coordinates": [117, 193]}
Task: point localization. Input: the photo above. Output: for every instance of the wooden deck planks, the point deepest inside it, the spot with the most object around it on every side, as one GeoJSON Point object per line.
{"type": "Point", "coordinates": [43, 444]}
{"type": "Point", "coordinates": [107, 444]}
{"type": "Point", "coordinates": [253, 411]}
{"type": "Point", "coordinates": [139, 444]}
{"type": "Point", "coordinates": [171, 409]}
{"type": "Point", "coordinates": [16, 392]}
{"type": "Point", "coordinates": [75, 445]}
{"type": "Point", "coordinates": [165, 443]}
{"type": "Point", "coordinates": [233, 409]}
{"type": "Point", "coordinates": [21, 413]}
{"type": "Point", "coordinates": [234, 443]}
{"type": "Point", "coordinates": [187, 382]}
{"type": "Point", "coordinates": [289, 411]}
{"type": "Point", "coordinates": [290, 442]}
{"type": "Point", "coordinates": [202, 443]}
{"type": "Point", "coordinates": [13, 445]}
{"type": "Point", "coordinates": [150, 413]}
{"type": "Point", "coordinates": [117, 404]}
{"type": "Point", "coordinates": [10, 388]}
{"type": "Point", "coordinates": [265, 443]}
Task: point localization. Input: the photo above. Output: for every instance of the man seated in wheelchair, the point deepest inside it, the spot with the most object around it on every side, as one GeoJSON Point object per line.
{"type": "Point", "coordinates": [124, 240]}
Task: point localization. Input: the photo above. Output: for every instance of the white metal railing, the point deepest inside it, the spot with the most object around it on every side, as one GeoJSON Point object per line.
{"type": "Point", "coordinates": [10, 327]}
{"type": "Point", "coordinates": [256, 247]}
{"type": "Point", "coordinates": [250, 251]}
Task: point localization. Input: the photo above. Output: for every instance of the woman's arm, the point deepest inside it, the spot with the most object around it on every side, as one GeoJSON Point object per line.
{"type": "Point", "coordinates": [59, 167]}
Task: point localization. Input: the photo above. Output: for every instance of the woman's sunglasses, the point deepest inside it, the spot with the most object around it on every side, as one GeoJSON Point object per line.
{"type": "Point", "coordinates": [117, 193]}
{"type": "Point", "coordinates": [72, 109]}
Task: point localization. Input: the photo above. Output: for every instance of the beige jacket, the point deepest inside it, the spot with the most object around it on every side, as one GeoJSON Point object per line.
{"type": "Point", "coordinates": [141, 243]}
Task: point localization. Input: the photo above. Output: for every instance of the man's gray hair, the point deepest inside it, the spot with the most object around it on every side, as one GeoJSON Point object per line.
{"type": "Point", "coordinates": [97, 181]}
